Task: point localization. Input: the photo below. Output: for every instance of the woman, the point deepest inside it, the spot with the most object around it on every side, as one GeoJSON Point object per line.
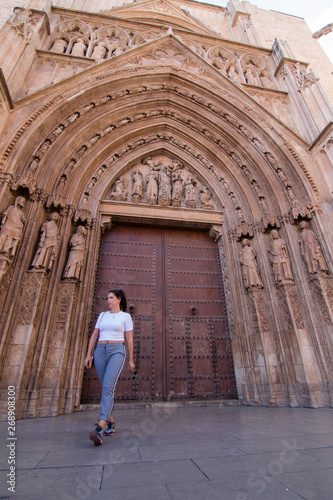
{"type": "Point", "coordinates": [111, 330]}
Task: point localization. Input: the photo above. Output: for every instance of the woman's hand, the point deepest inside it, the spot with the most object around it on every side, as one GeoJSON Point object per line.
{"type": "Point", "coordinates": [131, 366]}
{"type": "Point", "coordinates": [88, 362]}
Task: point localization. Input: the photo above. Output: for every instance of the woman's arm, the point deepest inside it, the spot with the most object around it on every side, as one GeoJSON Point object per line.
{"type": "Point", "coordinates": [92, 342]}
{"type": "Point", "coordinates": [129, 342]}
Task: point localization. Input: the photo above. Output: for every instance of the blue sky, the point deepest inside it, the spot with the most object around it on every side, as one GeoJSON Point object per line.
{"type": "Point", "coordinates": [316, 14]}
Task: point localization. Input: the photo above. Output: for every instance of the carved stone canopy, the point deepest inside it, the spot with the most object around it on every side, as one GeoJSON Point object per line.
{"type": "Point", "coordinates": [162, 181]}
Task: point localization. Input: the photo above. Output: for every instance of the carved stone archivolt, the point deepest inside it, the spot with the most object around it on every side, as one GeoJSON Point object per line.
{"type": "Point", "coordinates": [164, 182]}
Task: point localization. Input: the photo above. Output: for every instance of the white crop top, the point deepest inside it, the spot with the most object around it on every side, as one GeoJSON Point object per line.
{"type": "Point", "coordinates": [113, 326]}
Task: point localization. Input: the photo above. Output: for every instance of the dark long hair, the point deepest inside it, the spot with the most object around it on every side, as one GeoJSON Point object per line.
{"type": "Point", "coordinates": [120, 295]}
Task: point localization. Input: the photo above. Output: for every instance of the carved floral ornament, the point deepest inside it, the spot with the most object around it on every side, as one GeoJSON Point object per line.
{"type": "Point", "coordinates": [24, 21]}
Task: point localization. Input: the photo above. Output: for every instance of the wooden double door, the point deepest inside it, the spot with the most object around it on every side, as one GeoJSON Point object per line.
{"type": "Point", "coordinates": [172, 280]}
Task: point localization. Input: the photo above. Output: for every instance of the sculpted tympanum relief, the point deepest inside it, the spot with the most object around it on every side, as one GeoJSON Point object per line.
{"type": "Point", "coordinates": [164, 182]}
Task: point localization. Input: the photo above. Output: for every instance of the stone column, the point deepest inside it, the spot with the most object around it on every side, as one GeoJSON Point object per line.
{"type": "Point", "coordinates": [300, 352]}
{"type": "Point", "coordinates": [20, 368]}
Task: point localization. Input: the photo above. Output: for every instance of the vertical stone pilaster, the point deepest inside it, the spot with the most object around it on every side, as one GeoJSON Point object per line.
{"type": "Point", "coordinates": [60, 353]}
{"type": "Point", "coordinates": [19, 369]}
{"type": "Point", "coordinates": [267, 362]}
{"type": "Point", "coordinates": [322, 294]}
{"type": "Point", "coordinates": [300, 350]}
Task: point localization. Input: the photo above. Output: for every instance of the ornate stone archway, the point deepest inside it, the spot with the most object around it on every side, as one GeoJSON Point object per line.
{"type": "Point", "coordinates": [163, 101]}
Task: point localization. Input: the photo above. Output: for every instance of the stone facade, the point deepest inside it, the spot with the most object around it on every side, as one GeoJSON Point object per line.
{"type": "Point", "coordinates": [239, 138]}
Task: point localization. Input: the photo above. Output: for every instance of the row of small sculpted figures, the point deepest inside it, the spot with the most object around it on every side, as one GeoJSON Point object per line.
{"type": "Point", "coordinates": [13, 222]}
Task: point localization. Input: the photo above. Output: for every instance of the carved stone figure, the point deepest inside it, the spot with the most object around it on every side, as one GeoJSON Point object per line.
{"type": "Point", "coordinates": [11, 227]}
{"type": "Point", "coordinates": [79, 48]}
{"type": "Point", "coordinates": [249, 77]}
{"type": "Point", "coordinates": [233, 75]}
{"type": "Point", "coordinates": [206, 199]}
{"type": "Point", "coordinates": [99, 51]}
{"type": "Point", "coordinates": [120, 190]}
{"type": "Point", "coordinates": [59, 46]}
{"type": "Point", "coordinates": [76, 254]}
{"type": "Point", "coordinates": [311, 250]}
{"type": "Point", "coordinates": [190, 192]}
{"type": "Point", "coordinates": [48, 243]}
{"type": "Point", "coordinates": [279, 259]}
{"type": "Point", "coordinates": [249, 264]}
{"type": "Point", "coordinates": [164, 192]}
{"type": "Point", "coordinates": [177, 188]}
{"type": "Point", "coordinates": [137, 186]}
{"type": "Point", "coordinates": [151, 181]}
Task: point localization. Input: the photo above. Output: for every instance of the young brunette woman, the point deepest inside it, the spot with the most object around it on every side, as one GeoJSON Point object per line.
{"type": "Point", "coordinates": [112, 329]}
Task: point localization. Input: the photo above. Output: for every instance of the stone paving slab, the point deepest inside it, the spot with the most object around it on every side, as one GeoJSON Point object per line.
{"type": "Point", "coordinates": [175, 453]}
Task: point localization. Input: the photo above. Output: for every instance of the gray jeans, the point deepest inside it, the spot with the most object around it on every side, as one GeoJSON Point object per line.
{"type": "Point", "coordinates": [109, 360]}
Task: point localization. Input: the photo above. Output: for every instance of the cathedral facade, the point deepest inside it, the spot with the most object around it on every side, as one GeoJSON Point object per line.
{"type": "Point", "coordinates": [182, 152]}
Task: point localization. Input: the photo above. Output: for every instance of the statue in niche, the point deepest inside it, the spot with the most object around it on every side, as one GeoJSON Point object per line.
{"type": "Point", "coordinates": [249, 264]}
{"type": "Point", "coordinates": [164, 192]}
{"type": "Point", "coordinates": [76, 254]}
{"type": "Point", "coordinates": [249, 77]}
{"type": "Point", "coordinates": [206, 199]}
{"type": "Point", "coordinates": [265, 81]}
{"type": "Point", "coordinates": [48, 243]}
{"type": "Point", "coordinates": [190, 192]}
{"type": "Point", "coordinates": [233, 75]}
{"type": "Point", "coordinates": [59, 46]}
{"type": "Point", "coordinates": [279, 259]}
{"type": "Point", "coordinates": [11, 230]}
{"type": "Point", "coordinates": [119, 192]}
{"type": "Point", "coordinates": [79, 48]}
{"type": "Point", "coordinates": [311, 250]}
{"type": "Point", "coordinates": [137, 186]}
{"type": "Point", "coordinates": [177, 189]}
{"type": "Point", "coordinates": [99, 51]}
{"type": "Point", "coordinates": [151, 182]}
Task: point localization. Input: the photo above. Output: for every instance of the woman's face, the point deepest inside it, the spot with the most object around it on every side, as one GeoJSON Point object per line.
{"type": "Point", "coordinates": [113, 301]}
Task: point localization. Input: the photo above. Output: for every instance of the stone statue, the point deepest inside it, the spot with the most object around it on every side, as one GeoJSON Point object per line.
{"type": "Point", "coordinates": [76, 254]}
{"type": "Point", "coordinates": [190, 192]}
{"type": "Point", "coordinates": [11, 227]}
{"type": "Point", "coordinates": [48, 243]}
{"type": "Point", "coordinates": [137, 186]}
{"type": "Point", "coordinates": [249, 77]}
{"type": "Point", "coordinates": [99, 51]}
{"type": "Point", "coordinates": [59, 45]}
{"type": "Point", "coordinates": [279, 259]}
{"type": "Point", "coordinates": [177, 188]}
{"type": "Point", "coordinates": [79, 48]}
{"type": "Point", "coordinates": [164, 192]}
{"type": "Point", "coordinates": [151, 181]}
{"type": "Point", "coordinates": [249, 264]}
{"type": "Point", "coordinates": [119, 192]}
{"type": "Point", "coordinates": [206, 199]}
{"type": "Point", "coordinates": [311, 250]}
{"type": "Point", "coordinates": [232, 74]}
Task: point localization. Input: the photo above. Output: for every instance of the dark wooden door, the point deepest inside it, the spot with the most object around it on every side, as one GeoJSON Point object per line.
{"type": "Point", "coordinates": [172, 280]}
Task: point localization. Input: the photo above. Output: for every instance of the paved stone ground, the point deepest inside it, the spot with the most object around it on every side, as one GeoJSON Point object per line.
{"type": "Point", "coordinates": [165, 452]}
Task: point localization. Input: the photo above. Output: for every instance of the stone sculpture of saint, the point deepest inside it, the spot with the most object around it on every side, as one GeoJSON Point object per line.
{"type": "Point", "coordinates": [164, 193]}
{"type": "Point", "coordinates": [79, 48]}
{"type": "Point", "coordinates": [233, 75]}
{"type": "Point", "coordinates": [119, 192]}
{"type": "Point", "coordinates": [59, 45]}
{"type": "Point", "coordinates": [13, 221]}
{"type": "Point", "coordinates": [279, 259]}
{"type": "Point", "coordinates": [152, 186]}
{"type": "Point", "coordinates": [190, 192]}
{"type": "Point", "coordinates": [206, 199]}
{"type": "Point", "coordinates": [249, 264]}
{"type": "Point", "coordinates": [99, 51]}
{"type": "Point", "coordinates": [311, 250]}
{"type": "Point", "coordinates": [137, 186]}
{"type": "Point", "coordinates": [177, 188]}
{"type": "Point", "coordinates": [76, 254]}
{"type": "Point", "coordinates": [48, 243]}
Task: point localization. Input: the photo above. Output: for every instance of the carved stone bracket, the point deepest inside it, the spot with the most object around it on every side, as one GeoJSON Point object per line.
{"type": "Point", "coordinates": [26, 182]}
